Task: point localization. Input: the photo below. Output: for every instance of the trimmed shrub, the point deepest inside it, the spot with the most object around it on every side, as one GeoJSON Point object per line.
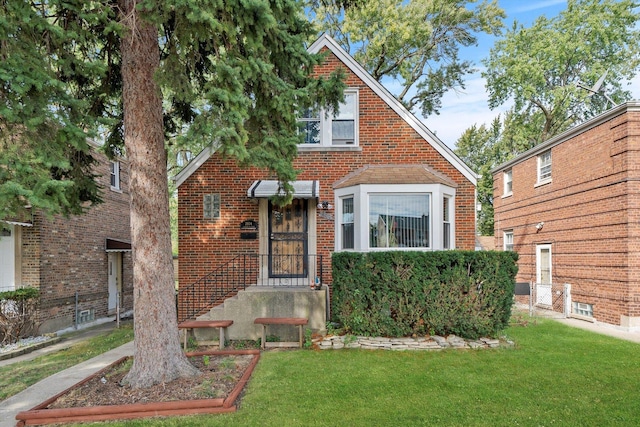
{"type": "Point", "coordinates": [18, 311]}
{"type": "Point", "coordinates": [396, 294]}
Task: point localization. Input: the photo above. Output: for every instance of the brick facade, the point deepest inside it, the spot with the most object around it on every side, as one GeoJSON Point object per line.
{"type": "Point", "coordinates": [385, 138]}
{"type": "Point", "coordinates": [64, 256]}
{"type": "Point", "coordinates": [590, 210]}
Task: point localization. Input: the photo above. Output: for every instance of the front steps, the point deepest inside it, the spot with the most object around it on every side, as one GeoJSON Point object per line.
{"type": "Point", "coordinates": [267, 301]}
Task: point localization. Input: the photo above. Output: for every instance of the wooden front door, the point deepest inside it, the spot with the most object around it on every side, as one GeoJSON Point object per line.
{"type": "Point", "coordinates": [288, 239]}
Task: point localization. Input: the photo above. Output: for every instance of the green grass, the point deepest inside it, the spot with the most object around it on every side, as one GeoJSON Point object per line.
{"type": "Point", "coordinates": [555, 375]}
{"type": "Point", "coordinates": [18, 376]}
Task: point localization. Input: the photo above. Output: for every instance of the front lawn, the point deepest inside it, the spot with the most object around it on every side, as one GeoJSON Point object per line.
{"type": "Point", "coordinates": [18, 376]}
{"type": "Point", "coordinates": [555, 375]}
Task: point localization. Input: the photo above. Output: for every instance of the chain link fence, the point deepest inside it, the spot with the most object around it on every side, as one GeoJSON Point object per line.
{"type": "Point", "coordinates": [553, 298]}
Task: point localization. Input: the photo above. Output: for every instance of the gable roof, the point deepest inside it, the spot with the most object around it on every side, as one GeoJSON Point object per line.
{"type": "Point", "coordinates": [325, 41]}
{"type": "Point", "coordinates": [328, 42]}
{"type": "Point", "coordinates": [394, 174]}
{"type": "Point", "coordinates": [569, 134]}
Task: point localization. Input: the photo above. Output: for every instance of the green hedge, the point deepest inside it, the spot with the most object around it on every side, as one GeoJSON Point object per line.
{"type": "Point", "coordinates": [21, 294]}
{"type": "Point", "coordinates": [397, 294]}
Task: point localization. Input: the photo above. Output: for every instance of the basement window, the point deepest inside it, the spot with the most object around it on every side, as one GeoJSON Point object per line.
{"type": "Point", "coordinates": [583, 309]}
{"type": "Point", "coordinates": [85, 316]}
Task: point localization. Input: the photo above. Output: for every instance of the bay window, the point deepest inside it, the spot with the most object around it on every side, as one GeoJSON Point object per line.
{"type": "Point", "coordinates": [375, 217]}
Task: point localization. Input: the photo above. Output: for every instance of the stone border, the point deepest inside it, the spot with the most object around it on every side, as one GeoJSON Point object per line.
{"type": "Point", "coordinates": [29, 348]}
{"type": "Point", "coordinates": [433, 342]}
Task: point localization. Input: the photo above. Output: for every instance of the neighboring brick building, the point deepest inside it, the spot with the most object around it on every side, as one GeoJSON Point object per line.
{"type": "Point", "coordinates": [373, 177]}
{"type": "Point", "coordinates": [570, 207]}
{"type": "Point", "coordinates": [84, 259]}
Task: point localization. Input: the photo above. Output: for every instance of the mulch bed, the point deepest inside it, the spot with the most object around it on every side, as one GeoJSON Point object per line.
{"type": "Point", "coordinates": [100, 397]}
{"type": "Point", "coordinates": [219, 375]}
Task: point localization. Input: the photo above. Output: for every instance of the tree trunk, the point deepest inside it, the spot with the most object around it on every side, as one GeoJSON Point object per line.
{"type": "Point", "coordinates": [158, 357]}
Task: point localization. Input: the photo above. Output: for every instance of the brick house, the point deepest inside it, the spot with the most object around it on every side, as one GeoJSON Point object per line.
{"type": "Point", "coordinates": [81, 264]}
{"type": "Point", "coordinates": [570, 207]}
{"type": "Point", "coordinates": [373, 177]}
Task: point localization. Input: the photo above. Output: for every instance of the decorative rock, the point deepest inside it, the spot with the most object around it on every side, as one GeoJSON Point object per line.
{"type": "Point", "coordinates": [432, 343]}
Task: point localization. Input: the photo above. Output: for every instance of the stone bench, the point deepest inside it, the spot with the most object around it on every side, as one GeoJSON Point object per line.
{"type": "Point", "coordinates": [294, 321]}
{"type": "Point", "coordinates": [196, 324]}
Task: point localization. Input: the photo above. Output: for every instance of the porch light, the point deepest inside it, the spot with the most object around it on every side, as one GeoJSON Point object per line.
{"type": "Point", "coordinates": [325, 205]}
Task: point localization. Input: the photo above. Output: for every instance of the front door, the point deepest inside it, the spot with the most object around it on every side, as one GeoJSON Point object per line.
{"type": "Point", "coordinates": [7, 257]}
{"type": "Point", "coordinates": [288, 240]}
{"type": "Point", "coordinates": [114, 260]}
{"type": "Point", "coordinates": [543, 275]}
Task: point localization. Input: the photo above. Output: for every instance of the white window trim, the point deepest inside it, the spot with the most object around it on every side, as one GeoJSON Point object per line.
{"type": "Point", "coordinates": [545, 180]}
{"type": "Point", "coordinates": [584, 312]}
{"type": "Point", "coordinates": [539, 249]}
{"type": "Point", "coordinates": [505, 191]}
{"type": "Point", "coordinates": [114, 170]}
{"type": "Point", "coordinates": [341, 222]}
{"type": "Point", "coordinates": [448, 199]}
{"type": "Point", "coordinates": [360, 194]}
{"type": "Point", "coordinates": [325, 130]}
{"type": "Point", "coordinates": [504, 240]}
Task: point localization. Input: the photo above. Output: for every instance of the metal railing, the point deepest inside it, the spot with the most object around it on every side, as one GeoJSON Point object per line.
{"type": "Point", "coordinates": [243, 271]}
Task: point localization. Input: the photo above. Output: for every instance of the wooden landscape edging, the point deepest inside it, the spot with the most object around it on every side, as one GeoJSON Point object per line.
{"type": "Point", "coordinates": [40, 415]}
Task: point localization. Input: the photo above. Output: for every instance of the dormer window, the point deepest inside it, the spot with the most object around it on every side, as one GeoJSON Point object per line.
{"type": "Point", "coordinates": [324, 128]}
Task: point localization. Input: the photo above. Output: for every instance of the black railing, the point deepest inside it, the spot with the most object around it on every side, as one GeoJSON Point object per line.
{"type": "Point", "coordinates": [248, 270]}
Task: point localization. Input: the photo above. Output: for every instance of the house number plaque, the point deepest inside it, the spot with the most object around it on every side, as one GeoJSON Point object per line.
{"type": "Point", "coordinates": [249, 229]}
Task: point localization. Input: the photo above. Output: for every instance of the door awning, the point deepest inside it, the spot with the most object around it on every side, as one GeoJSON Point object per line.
{"type": "Point", "coordinates": [268, 188]}
{"type": "Point", "coordinates": [20, 223]}
{"type": "Point", "coordinates": [113, 245]}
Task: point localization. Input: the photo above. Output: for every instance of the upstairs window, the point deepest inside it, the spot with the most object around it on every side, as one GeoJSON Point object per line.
{"type": "Point", "coordinates": [508, 182]}
{"type": "Point", "coordinates": [324, 128]}
{"type": "Point", "coordinates": [544, 166]}
{"type": "Point", "coordinates": [115, 175]}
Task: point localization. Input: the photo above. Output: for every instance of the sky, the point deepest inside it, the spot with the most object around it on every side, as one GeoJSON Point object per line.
{"type": "Point", "coordinates": [462, 110]}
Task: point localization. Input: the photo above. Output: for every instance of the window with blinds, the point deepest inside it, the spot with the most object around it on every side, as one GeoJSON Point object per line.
{"type": "Point", "coordinates": [348, 237]}
{"type": "Point", "coordinates": [399, 221]}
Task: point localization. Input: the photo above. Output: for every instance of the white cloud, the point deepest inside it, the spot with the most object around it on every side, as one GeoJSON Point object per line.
{"type": "Point", "coordinates": [537, 5]}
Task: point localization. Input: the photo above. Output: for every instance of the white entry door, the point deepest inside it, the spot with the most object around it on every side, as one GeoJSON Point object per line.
{"type": "Point", "coordinates": [114, 259]}
{"type": "Point", "coordinates": [543, 275]}
{"type": "Point", "coordinates": [7, 258]}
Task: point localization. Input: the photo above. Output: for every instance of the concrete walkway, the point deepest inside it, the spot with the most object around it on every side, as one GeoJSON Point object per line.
{"type": "Point", "coordinates": [598, 328]}
{"type": "Point", "coordinates": [61, 381]}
